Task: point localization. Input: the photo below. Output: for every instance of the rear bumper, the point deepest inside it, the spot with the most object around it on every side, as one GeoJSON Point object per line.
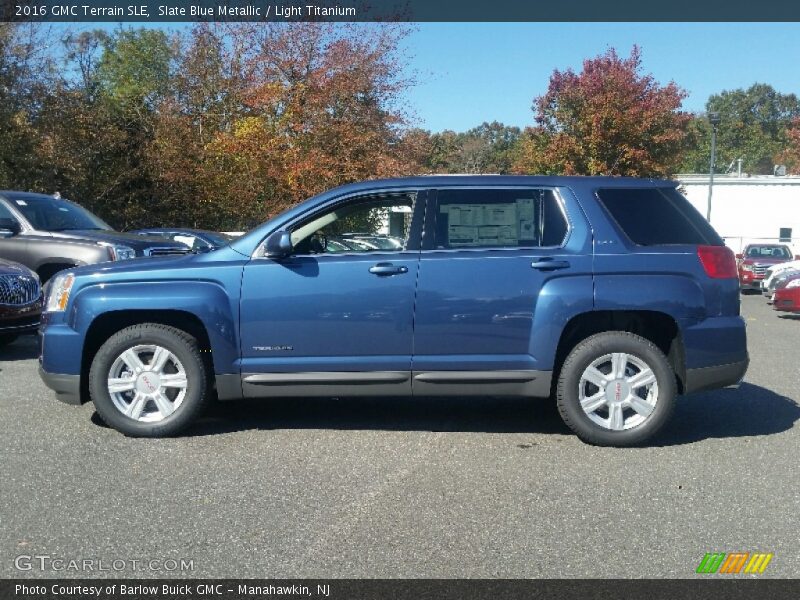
{"type": "Point", "coordinates": [66, 387]}
{"type": "Point", "coordinates": [710, 378]}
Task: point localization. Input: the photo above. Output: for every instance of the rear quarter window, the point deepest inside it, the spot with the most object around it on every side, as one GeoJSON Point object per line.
{"type": "Point", "coordinates": [657, 216]}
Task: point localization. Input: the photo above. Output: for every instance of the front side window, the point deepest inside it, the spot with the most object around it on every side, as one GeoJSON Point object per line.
{"type": "Point", "coordinates": [505, 218]}
{"type": "Point", "coordinates": [378, 224]}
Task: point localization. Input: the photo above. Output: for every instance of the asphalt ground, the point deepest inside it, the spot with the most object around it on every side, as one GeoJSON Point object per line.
{"type": "Point", "coordinates": [404, 488]}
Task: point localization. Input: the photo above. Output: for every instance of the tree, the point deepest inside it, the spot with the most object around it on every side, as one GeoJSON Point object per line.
{"type": "Point", "coordinates": [753, 127]}
{"type": "Point", "coordinates": [320, 106]}
{"type": "Point", "coordinates": [790, 156]}
{"type": "Point", "coordinates": [487, 148]}
{"type": "Point", "coordinates": [608, 119]}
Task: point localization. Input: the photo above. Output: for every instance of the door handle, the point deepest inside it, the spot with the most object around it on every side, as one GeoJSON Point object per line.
{"type": "Point", "coordinates": [548, 264]}
{"type": "Point", "coordinates": [387, 269]}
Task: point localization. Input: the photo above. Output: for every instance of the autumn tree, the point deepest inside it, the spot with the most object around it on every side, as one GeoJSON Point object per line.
{"type": "Point", "coordinates": [318, 105]}
{"type": "Point", "coordinates": [790, 155]}
{"type": "Point", "coordinates": [608, 119]}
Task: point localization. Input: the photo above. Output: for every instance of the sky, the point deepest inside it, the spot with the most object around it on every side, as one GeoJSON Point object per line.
{"type": "Point", "coordinates": [468, 73]}
{"type": "Point", "coordinates": [474, 72]}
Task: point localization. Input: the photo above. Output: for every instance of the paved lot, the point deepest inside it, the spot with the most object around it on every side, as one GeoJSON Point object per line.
{"type": "Point", "coordinates": [399, 488]}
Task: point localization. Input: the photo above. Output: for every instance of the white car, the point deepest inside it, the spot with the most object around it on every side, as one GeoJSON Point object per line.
{"type": "Point", "coordinates": [776, 270]}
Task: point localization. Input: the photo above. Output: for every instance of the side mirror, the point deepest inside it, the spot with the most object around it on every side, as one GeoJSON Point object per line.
{"type": "Point", "coordinates": [9, 228]}
{"type": "Point", "coordinates": [278, 245]}
{"type": "Point", "coordinates": [740, 256]}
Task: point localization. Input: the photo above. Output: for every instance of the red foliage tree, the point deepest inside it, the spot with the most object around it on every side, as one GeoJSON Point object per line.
{"type": "Point", "coordinates": [608, 119]}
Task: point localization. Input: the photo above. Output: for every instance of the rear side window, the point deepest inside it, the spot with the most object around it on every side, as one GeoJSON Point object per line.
{"type": "Point", "coordinates": [499, 218]}
{"type": "Point", "coordinates": [657, 216]}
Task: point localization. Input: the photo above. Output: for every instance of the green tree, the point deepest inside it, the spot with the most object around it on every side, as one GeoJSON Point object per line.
{"type": "Point", "coordinates": [487, 148]}
{"type": "Point", "coordinates": [753, 127]}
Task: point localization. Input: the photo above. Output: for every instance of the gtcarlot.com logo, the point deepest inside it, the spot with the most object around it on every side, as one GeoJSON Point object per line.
{"type": "Point", "coordinates": [734, 563]}
{"type": "Point", "coordinates": [44, 562]}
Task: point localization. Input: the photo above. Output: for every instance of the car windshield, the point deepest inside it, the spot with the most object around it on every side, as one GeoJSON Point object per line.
{"type": "Point", "coordinates": [768, 252]}
{"type": "Point", "coordinates": [46, 213]}
{"type": "Point", "coordinates": [218, 239]}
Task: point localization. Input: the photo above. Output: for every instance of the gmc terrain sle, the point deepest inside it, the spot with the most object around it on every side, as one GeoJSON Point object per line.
{"type": "Point", "coordinates": [609, 295]}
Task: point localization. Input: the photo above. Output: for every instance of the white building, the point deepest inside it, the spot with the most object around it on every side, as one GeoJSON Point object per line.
{"type": "Point", "coordinates": [761, 208]}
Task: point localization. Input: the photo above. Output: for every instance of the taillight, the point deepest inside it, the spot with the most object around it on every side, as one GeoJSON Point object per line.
{"type": "Point", "coordinates": [718, 261]}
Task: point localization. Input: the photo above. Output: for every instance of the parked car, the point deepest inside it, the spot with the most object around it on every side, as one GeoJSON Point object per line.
{"type": "Point", "coordinates": [49, 234]}
{"type": "Point", "coordinates": [777, 281]}
{"type": "Point", "coordinates": [382, 242]}
{"type": "Point", "coordinates": [754, 261]}
{"type": "Point", "coordinates": [777, 271]}
{"type": "Point", "coordinates": [787, 297]}
{"type": "Point", "coordinates": [20, 301]}
{"type": "Point", "coordinates": [554, 287]}
{"type": "Point", "coordinates": [199, 240]}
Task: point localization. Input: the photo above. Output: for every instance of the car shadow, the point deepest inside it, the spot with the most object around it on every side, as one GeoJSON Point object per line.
{"type": "Point", "coordinates": [748, 411]}
{"type": "Point", "coordinates": [23, 348]}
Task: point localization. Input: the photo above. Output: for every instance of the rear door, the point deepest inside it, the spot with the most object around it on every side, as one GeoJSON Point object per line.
{"type": "Point", "coordinates": [495, 262]}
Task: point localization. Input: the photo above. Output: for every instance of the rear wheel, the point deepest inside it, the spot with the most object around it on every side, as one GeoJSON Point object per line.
{"type": "Point", "coordinates": [149, 380]}
{"type": "Point", "coordinates": [616, 389]}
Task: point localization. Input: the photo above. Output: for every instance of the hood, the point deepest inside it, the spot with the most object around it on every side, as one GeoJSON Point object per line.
{"type": "Point", "coordinates": [764, 261]}
{"type": "Point", "coordinates": [11, 268]}
{"type": "Point", "coordinates": [139, 243]}
{"type": "Point", "coordinates": [792, 264]}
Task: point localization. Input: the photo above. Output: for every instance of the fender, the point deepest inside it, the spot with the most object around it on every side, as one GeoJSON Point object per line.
{"type": "Point", "coordinates": [208, 301]}
{"type": "Point", "coordinates": [686, 302]}
{"type": "Point", "coordinates": [560, 299]}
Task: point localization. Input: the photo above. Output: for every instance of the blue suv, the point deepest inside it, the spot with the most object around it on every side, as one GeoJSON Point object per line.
{"type": "Point", "coordinates": [609, 295]}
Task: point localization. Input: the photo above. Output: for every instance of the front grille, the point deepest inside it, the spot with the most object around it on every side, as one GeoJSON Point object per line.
{"type": "Point", "coordinates": [166, 251]}
{"type": "Point", "coordinates": [760, 270]}
{"type": "Point", "coordinates": [16, 290]}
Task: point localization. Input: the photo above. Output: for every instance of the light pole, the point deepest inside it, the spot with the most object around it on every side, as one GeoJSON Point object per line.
{"type": "Point", "coordinates": [714, 119]}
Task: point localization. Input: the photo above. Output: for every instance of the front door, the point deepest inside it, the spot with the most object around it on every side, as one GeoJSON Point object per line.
{"type": "Point", "coordinates": [336, 317]}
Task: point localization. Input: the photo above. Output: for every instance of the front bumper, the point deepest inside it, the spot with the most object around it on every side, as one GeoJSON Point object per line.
{"type": "Point", "coordinates": [711, 378]}
{"type": "Point", "coordinates": [66, 387]}
{"type": "Point", "coordinates": [19, 320]}
{"type": "Point", "coordinates": [750, 283]}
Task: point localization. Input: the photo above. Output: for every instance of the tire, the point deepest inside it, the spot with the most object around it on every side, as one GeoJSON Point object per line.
{"type": "Point", "coordinates": [625, 415]}
{"type": "Point", "coordinates": [159, 402]}
{"type": "Point", "coordinates": [5, 340]}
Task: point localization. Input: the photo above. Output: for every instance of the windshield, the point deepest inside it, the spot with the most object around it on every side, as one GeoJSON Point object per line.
{"type": "Point", "coordinates": [46, 213]}
{"type": "Point", "coordinates": [218, 239]}
{"type": "Point", "coordinates": [768, 252]}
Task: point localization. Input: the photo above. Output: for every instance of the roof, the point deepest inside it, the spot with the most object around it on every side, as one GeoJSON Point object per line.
{"type": "Point", "coordinates": [456, 180]}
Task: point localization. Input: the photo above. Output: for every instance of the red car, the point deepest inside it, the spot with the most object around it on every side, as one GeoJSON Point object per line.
{"type": "Point", "coordinates": [754, 261]}
{"type": "Point", "coordinates": [787, 296]}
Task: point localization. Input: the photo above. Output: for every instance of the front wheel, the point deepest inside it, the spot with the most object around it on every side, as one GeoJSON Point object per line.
{"type": "Point", "coordinates": [616, 389]}
{"type": "Point", "coordinates": [149, 380]}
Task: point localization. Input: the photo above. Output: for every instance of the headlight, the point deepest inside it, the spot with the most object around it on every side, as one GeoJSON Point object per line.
{"type": "Point", "coordinates": [121, 252]}
{"type": "Point", "coordinates": [747, 267]}
{"type": "Point", "coordinates": [58, 294]}
{"type": "Point", "coordinates": [793, 284]}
